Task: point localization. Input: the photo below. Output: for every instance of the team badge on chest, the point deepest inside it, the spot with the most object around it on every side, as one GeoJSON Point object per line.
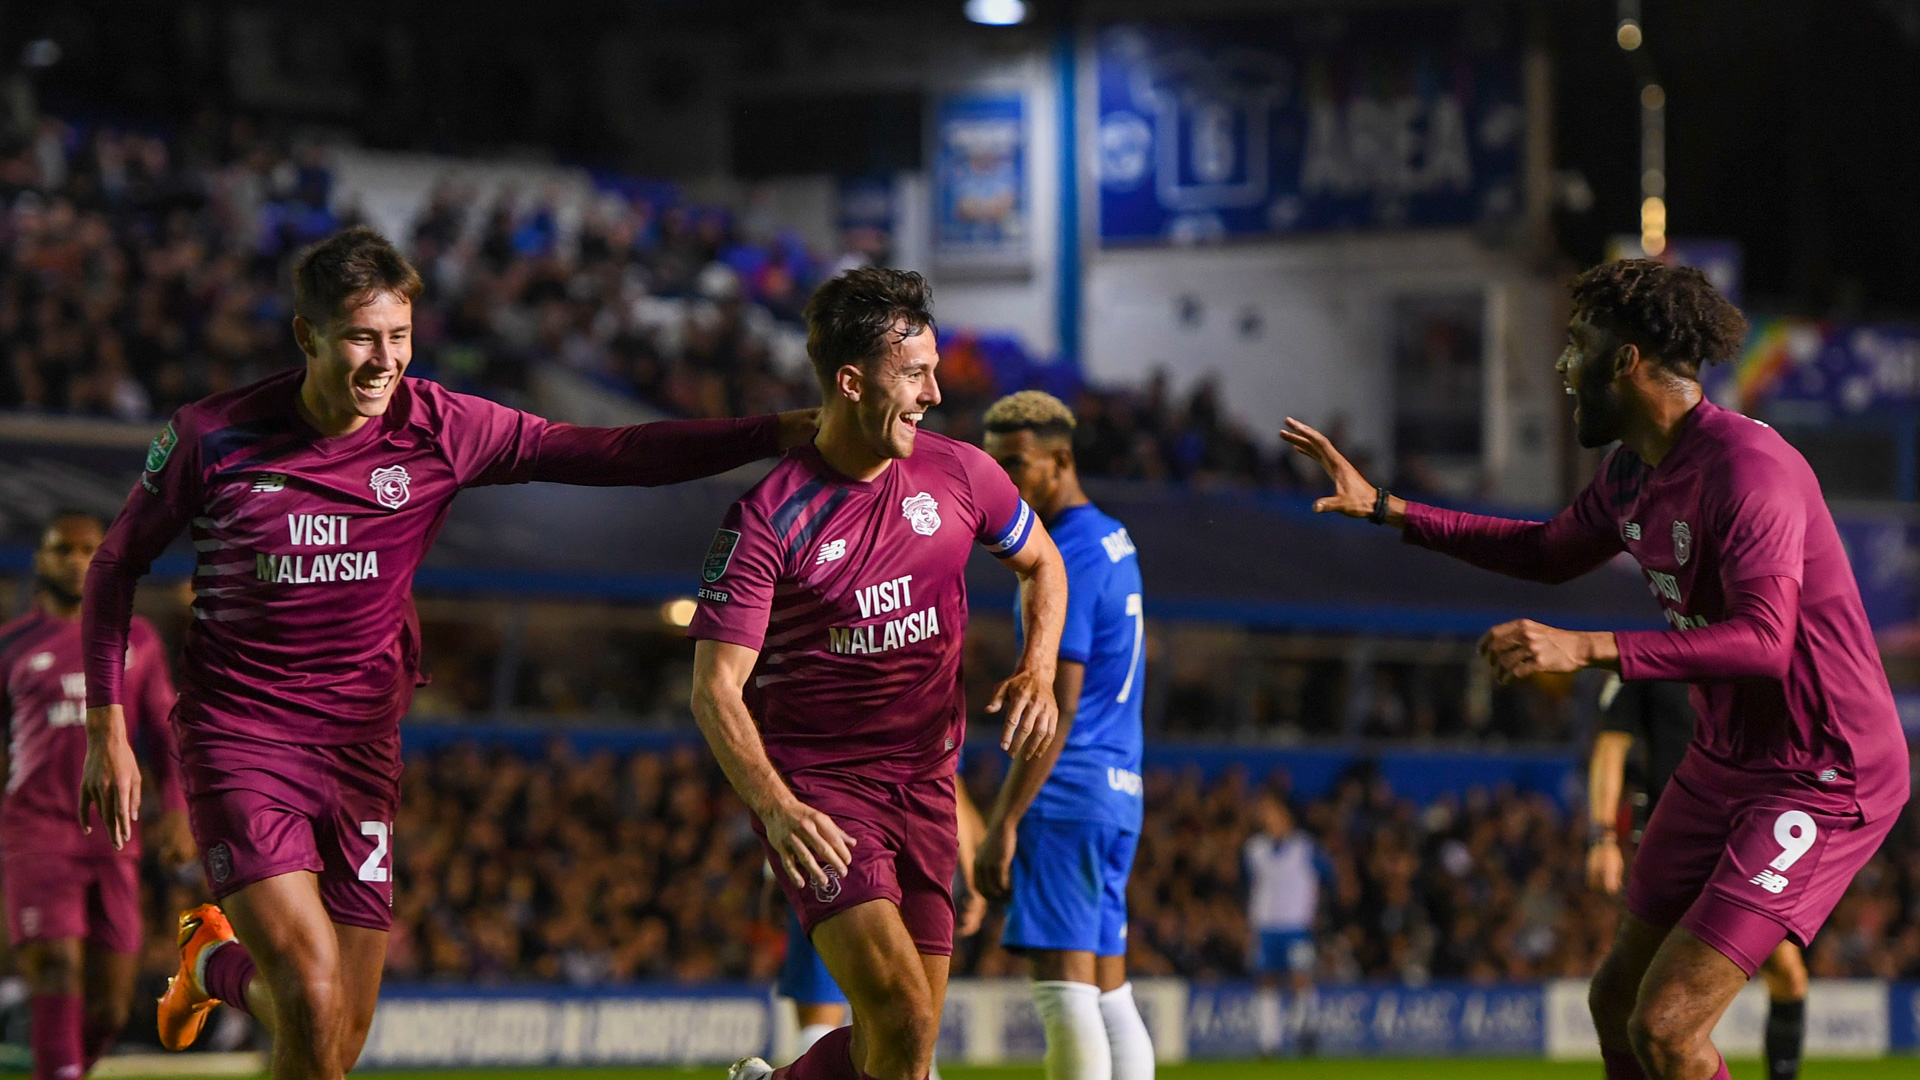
{"type": "Point", "coordinates": [390, 486]}
{"type": "Point", "coordinates": [922, 512]}
{"type": "Point", "coordinates": [1682, 542]}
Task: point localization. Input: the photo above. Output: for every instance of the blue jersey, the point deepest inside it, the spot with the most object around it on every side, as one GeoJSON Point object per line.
{"type": "Point", "coordinates": [1098, 775]}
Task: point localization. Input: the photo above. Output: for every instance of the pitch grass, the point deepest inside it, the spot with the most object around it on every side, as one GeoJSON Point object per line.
{"type": "Point", "coordinates": [1907, 1068]}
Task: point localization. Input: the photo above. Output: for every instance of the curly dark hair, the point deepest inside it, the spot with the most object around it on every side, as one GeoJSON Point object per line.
{"type": "Point", "coordinates": [858, 315]}
{"type": "Point", "coordinates": [1672, 312]}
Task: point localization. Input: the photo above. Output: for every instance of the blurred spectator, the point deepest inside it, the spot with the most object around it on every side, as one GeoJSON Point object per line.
{"type": "Point", "coordinates": [137, 275]}
{"type": "Point", "coordinates": [598, 869]}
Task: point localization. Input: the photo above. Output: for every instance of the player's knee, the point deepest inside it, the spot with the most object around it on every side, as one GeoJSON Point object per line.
{"type": "Point", "coordinates": [1661, 1038]}
{"type": "Point", "coordinates": [908, 1021]}
{"type": "Point", "coordinates": [309, 1002]}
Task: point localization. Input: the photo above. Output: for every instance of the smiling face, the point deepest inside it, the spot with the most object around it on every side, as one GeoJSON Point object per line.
{"type": "Point", "coordinates": [1587, 366]}
{"type": "Point", "coordinates": [355, 363]}
{"type": "Point", "coordinates": [895, 393]}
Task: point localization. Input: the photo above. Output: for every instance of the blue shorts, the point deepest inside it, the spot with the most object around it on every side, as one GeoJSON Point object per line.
{"type": "Point", "coordinates": [1070, 887]}
{"type": "Point", "coordinates": [1280, 952]}
{"type": "Point", "coordinates": [803, 975]}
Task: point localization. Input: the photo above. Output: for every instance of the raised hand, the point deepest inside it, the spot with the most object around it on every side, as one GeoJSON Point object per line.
{"type": "Point", "coordinates": [1352, 495]}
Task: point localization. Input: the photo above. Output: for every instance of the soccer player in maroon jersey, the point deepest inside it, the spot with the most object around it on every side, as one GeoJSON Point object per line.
{"type": "Point", "coordinates": [73, 900]}
{"type": "Point", "coordinates": [311, 497]}
{"type": "Point", "coordinates": [1798, 765]}
{"type": "Point", "coordinates": [827, 667]}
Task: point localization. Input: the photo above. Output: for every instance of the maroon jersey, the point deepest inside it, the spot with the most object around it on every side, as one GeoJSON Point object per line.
{"type": "Point", "coordinates": [1739, 550]}
{"type": "Point", "coordinates": [304, 628]}
{"type": "Point", "coordinates": [855, 594]}
{"type": "Point", "coordinates": [45, 702]}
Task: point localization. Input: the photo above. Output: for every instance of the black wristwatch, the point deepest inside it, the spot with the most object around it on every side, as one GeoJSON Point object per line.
{"type": "Point", "coordinates": [1600, 833]}
{"type": "Point", "coordinates": [1379, 515]}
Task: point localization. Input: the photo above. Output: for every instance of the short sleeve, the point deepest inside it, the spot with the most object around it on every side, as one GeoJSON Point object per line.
{"type": "Point", "coordinates": [1763, 527]}
{"type": "Point", "coordinates": [486, 442]}
{"type": "Point", "coordinates": [737, 579]}
{"type": "Point", "coordinates": [1086, 590]}
{"type": "Point", "coordinates": [1006, 521]}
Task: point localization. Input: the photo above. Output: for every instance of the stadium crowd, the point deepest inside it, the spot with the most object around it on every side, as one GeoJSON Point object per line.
{"type": "Point", "coordinates": [599, 868]}
{"type": "Point", "coordinates": [139, 272]}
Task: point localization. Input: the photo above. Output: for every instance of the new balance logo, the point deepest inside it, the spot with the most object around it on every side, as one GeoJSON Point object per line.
{"type": "Point", "coordinates": [1631, 529]}
{"type": "Point", "coordinates": [831, 550]}
{"type": "Point", "coordinates": [271, 481]}
{"type": "Point", "coordinates": [1769, 881]}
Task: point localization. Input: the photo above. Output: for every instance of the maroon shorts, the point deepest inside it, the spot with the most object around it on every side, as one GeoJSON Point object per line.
{"type": "Point", "coordinates": [1744, 871]}
{"type": "Point", "coordinates": [909, 847]}
{"type": "Point", "coordinates": [93, 897]}
{"type": "Point", "coordinates": [261, 809]}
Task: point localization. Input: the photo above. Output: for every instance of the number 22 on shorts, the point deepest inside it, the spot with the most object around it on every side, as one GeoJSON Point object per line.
{"type": "Point", "coordinates": [371, 870]}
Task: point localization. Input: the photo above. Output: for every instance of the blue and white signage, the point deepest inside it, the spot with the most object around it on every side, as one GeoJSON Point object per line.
{"type": "Point", "coordinates": [1211, 129]}
{"type": "Point", "coordinates": [980, 181]}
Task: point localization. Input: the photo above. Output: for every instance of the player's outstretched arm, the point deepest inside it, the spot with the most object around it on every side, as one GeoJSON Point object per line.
{"type": "Point", "coordinates": [1352, 495]}
{"type": "Point", "coordinates": [667, 451]}
{"type": "Point", "coordinates": [1031, 712]}
{"type": "Point", "coordinates": [1551, 551]}
{"type": "Point", "coordinates": [993, 866]}
{"type": "Point", "coordinates": [808, 841]}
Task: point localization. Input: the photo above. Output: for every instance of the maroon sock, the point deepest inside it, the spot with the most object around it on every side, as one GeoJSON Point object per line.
{"type": "Point", "coordinates": [95, 1037]}
{"type": "Point", "coordinates": [829, 1058]}
{"type": "Point", "coordinates": [1622, 1065]}
{"type": "Point", "coordinates": [1724, 1073]}
{"type": "Point", "coordinates": [229, 970]}
{"type": "Point", "coordinates": [56, 1037]}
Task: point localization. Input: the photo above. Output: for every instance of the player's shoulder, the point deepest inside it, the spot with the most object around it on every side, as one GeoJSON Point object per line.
{"type": "Point", "coordinates": [20, 632]}
{"type": "Point", "coordinates": [933, 451]}
{"type": "Point", "coordinates": [1091, 539]}
{"type": "Point", "coordinates": [793, 482]}
{"type": "Point", "coordinates": [431, 407]}
{"type": "Point", "coordinates": [231, 421]}
{"type": "Point", "coordinates": [1747, 454]}
{"type": "Point", "coordinates": [263, 400]}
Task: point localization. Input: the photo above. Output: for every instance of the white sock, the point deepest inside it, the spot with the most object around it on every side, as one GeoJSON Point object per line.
{"type": "Point", "coordinates": [809, 1035]}
{"type": "Point", "coordinates": [1127, 1035]}
{"type": "Point", "coordinates": [1076, 1036]}
{"type": "Point", "coordinates": [933, 1070]}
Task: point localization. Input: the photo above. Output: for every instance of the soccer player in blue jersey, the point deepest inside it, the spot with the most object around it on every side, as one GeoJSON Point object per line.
{"type": "Point", "coordinates": [1061, 834]}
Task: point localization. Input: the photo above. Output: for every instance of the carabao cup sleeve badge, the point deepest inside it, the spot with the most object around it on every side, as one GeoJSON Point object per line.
{"type": "Point", "coordinates": [719, 555]}
{"type": "Point", "coordinates": [161, 449]}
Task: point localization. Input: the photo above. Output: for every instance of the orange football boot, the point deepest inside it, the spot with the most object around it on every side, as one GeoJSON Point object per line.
{"type": "Point", "coordinates": [186, 1004]}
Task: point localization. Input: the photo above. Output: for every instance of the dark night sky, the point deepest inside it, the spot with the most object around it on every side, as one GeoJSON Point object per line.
{"type": "Point", "coordinates": [1793, 126]}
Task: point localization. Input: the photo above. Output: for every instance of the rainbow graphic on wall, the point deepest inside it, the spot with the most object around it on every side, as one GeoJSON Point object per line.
{"type": "Point", "coordinates": [1767, 359]}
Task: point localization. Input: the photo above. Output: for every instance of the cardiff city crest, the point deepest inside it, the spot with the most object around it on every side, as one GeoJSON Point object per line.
{"type": "Point", "coordinates": [923, 513]}
{"type": "Point", "coordinates": [390, 486]}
